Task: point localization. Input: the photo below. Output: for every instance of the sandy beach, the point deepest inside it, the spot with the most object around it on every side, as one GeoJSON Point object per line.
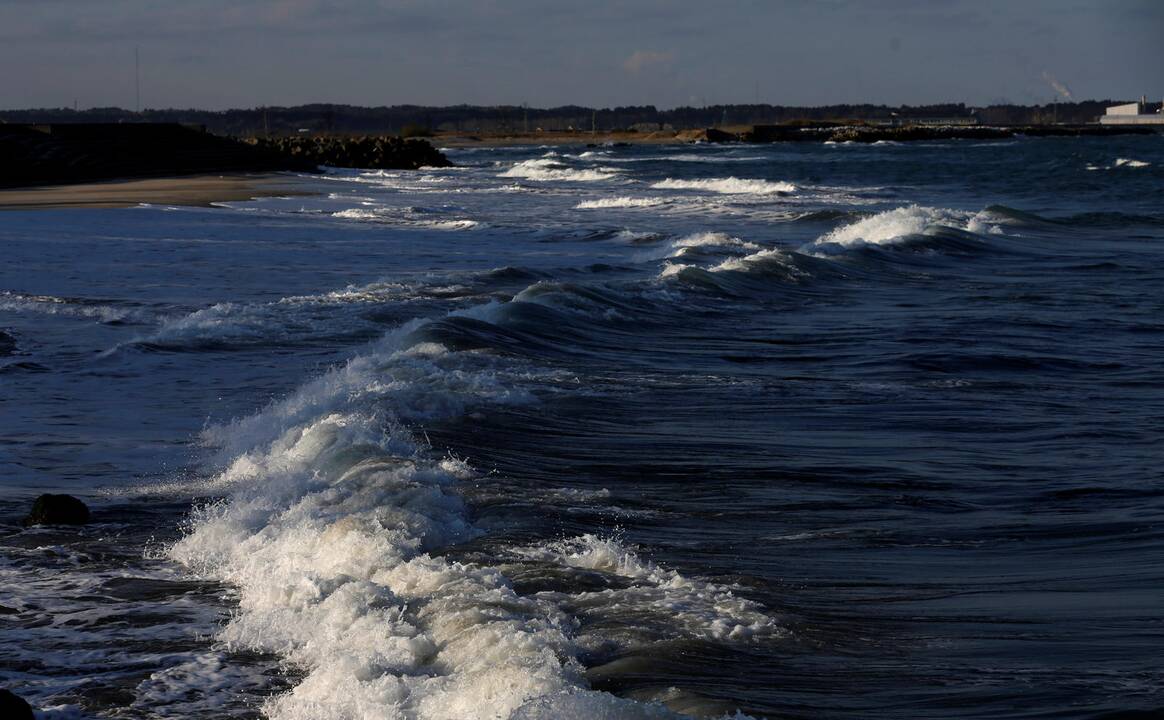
{"type": "Point", "coordinates": [198, 190]}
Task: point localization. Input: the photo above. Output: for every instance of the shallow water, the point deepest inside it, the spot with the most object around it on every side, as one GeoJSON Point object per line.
{"type": "Point", "coordinates": [795, 430]}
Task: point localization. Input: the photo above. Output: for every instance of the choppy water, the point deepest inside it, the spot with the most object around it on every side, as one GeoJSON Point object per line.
{"type": "Point", "coordinates": [801, 431]}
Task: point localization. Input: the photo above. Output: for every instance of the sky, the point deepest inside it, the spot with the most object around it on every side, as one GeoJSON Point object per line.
{"type": "Point", "coordinates": [218, 54]}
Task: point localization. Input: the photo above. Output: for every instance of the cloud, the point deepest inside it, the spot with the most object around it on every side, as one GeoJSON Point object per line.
{"type": "Point", "coordinates": [646, 59]}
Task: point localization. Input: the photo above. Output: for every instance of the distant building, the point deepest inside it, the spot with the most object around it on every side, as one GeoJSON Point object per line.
{"type": "Point", "coordinates": [1137, 113]}
{"type": "Point", "coordinates": [651, 127]}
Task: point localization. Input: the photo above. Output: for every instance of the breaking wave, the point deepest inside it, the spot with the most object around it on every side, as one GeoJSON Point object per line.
{"type": "Point", "coordinates": [620, 202]}
{"type": "Point", "coordinates": [333, 510]}
{"type": "Point", "coordinates": [551, 170]}
{"type": "Point", "coordinates": [729, 186]}
{"type": "Point", "coordinates": [98, 310]}
{"type": "Point", "coordinates": [900, 226]}
{"type": "Point", "coordinates": [406, 216]}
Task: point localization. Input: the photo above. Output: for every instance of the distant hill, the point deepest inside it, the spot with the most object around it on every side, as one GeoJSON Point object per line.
{"type": "Point", "coordinates": [340, 119]}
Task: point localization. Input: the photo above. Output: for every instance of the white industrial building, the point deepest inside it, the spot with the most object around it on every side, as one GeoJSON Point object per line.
{"type": "Point", "coordinates": [1132, 114]}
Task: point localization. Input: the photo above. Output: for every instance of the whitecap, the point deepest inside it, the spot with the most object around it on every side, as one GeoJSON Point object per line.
{"type": "Point", "coordinates": [548, 169]}
{"type": "Point", "coordinates": [621, 201]}
{"type": "Point", "coordinates": [728, 186]}
{"type": "Point", "coordinates": [690, 607]}
{"type": "Point", "coordinates": [898, 225]}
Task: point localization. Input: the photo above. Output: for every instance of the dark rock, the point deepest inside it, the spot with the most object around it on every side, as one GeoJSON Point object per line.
{"type": "Point", "coordinates": [72, 153]}
{"type": "Point", "coordinates": [14, 707]}
{"type": "Point", "coordinates": [383, 152]}
{"type": "Point", "coordinates": [57, 510]}
{"type": "Point", "coordinates": [720, 136]}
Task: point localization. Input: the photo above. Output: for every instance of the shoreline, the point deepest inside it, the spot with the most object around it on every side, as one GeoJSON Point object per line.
{"type": "Point", "coordinates": [188, 191]}
{"type": "Point", "coordinates": [767, 134]}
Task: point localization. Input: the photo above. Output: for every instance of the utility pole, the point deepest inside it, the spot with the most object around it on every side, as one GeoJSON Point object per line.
{"type": "Point", "coordinates": [137, 77]}
{"type": "Point", "coordinates": [593, 122]}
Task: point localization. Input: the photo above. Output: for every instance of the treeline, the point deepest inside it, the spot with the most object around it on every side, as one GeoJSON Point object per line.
{"type": "Point", "coordinates": [416, 119]}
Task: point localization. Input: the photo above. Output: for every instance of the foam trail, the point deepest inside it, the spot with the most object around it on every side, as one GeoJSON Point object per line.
{"type": "Point", "coordinates": [728, 186]}
{"type": "Point", "coordinates": [620, 202]}
{"type": "Point", "coordinates": [695, 608]}
{"type": "Point", "coordinates": [69, 307]}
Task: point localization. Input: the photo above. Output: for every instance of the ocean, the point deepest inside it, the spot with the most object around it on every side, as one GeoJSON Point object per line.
{"type": "Point", "coordinates": [779, 431]}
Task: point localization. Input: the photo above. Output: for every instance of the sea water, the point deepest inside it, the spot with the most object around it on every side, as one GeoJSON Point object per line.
{"type": "Point", "coordinates": [793, 431]}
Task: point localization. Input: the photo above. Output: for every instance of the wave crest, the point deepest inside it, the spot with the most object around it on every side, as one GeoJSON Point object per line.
{"type": "Point", "coordinates": [549, 170]}
{"type": "Point", "coordinates": [729, 186]}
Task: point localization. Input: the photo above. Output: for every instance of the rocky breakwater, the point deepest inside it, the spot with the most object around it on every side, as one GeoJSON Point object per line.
{"type": "Point", "coordinates": [373, 152]}
{"type": "Point", "coordinates": [74, 153]}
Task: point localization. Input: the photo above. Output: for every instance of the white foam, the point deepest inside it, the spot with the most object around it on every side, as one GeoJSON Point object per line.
{"type": "Point", "coordinates": [52, 305]}
{"type": "Point", "coordinates": [728, 186]}
{"type": "Point", "coordinates": [622, 201]}
{"type": "Point", "coordinates": [898, 225]}
{"type": "Point", "coordinates": [549, 169]}
{"type": "Point", "coordinates": [325, 535]}
{"type": "Point", "coordinates": [1120, 163]}
{"type": "Point", "coordinates": [405, 216]}
{"type": "Point", "coordinates": [696, 609]}
{"type": "Point", "coordinates": [333, 508]}
{"type": "Point", "coordinates": [716, 240]}
{"type": "Point", "coordinates": [773, 258]}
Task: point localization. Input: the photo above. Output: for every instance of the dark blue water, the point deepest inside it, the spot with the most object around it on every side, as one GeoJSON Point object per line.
{"type": "Point", "coordinates": [798, 430]}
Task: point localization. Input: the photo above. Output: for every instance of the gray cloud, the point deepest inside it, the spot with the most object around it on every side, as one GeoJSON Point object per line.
{"type": "Point", "coordinates": [223, 53]}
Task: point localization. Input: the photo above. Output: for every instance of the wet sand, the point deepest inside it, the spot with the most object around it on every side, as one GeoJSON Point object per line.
{"type": "Point", "coordinates": [197, 190]}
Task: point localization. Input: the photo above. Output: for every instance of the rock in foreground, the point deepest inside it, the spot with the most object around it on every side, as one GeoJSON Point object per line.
{"type": "Point", "coordinates": [57, 510]}
{"type": "Point", "coordinates": [14, 707]}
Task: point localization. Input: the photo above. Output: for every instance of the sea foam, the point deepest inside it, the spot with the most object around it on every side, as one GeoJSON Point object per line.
{"type": "Point", "coordinates": [620, 202]}
{"type": "Point", "coordinates": [331, 512]}
{"type": "Point", "coordinates": [549, 169]}
{"type": "Point", "coordinates": [1131, 163]}
{"type": "Point", "coordinates": [728, 186]}
{"type": "Point", "coordinates": [897, 226]}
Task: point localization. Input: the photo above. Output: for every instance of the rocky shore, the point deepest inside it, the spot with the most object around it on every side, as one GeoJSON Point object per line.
{"type": "Point", "coordinates": [374, 152]}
